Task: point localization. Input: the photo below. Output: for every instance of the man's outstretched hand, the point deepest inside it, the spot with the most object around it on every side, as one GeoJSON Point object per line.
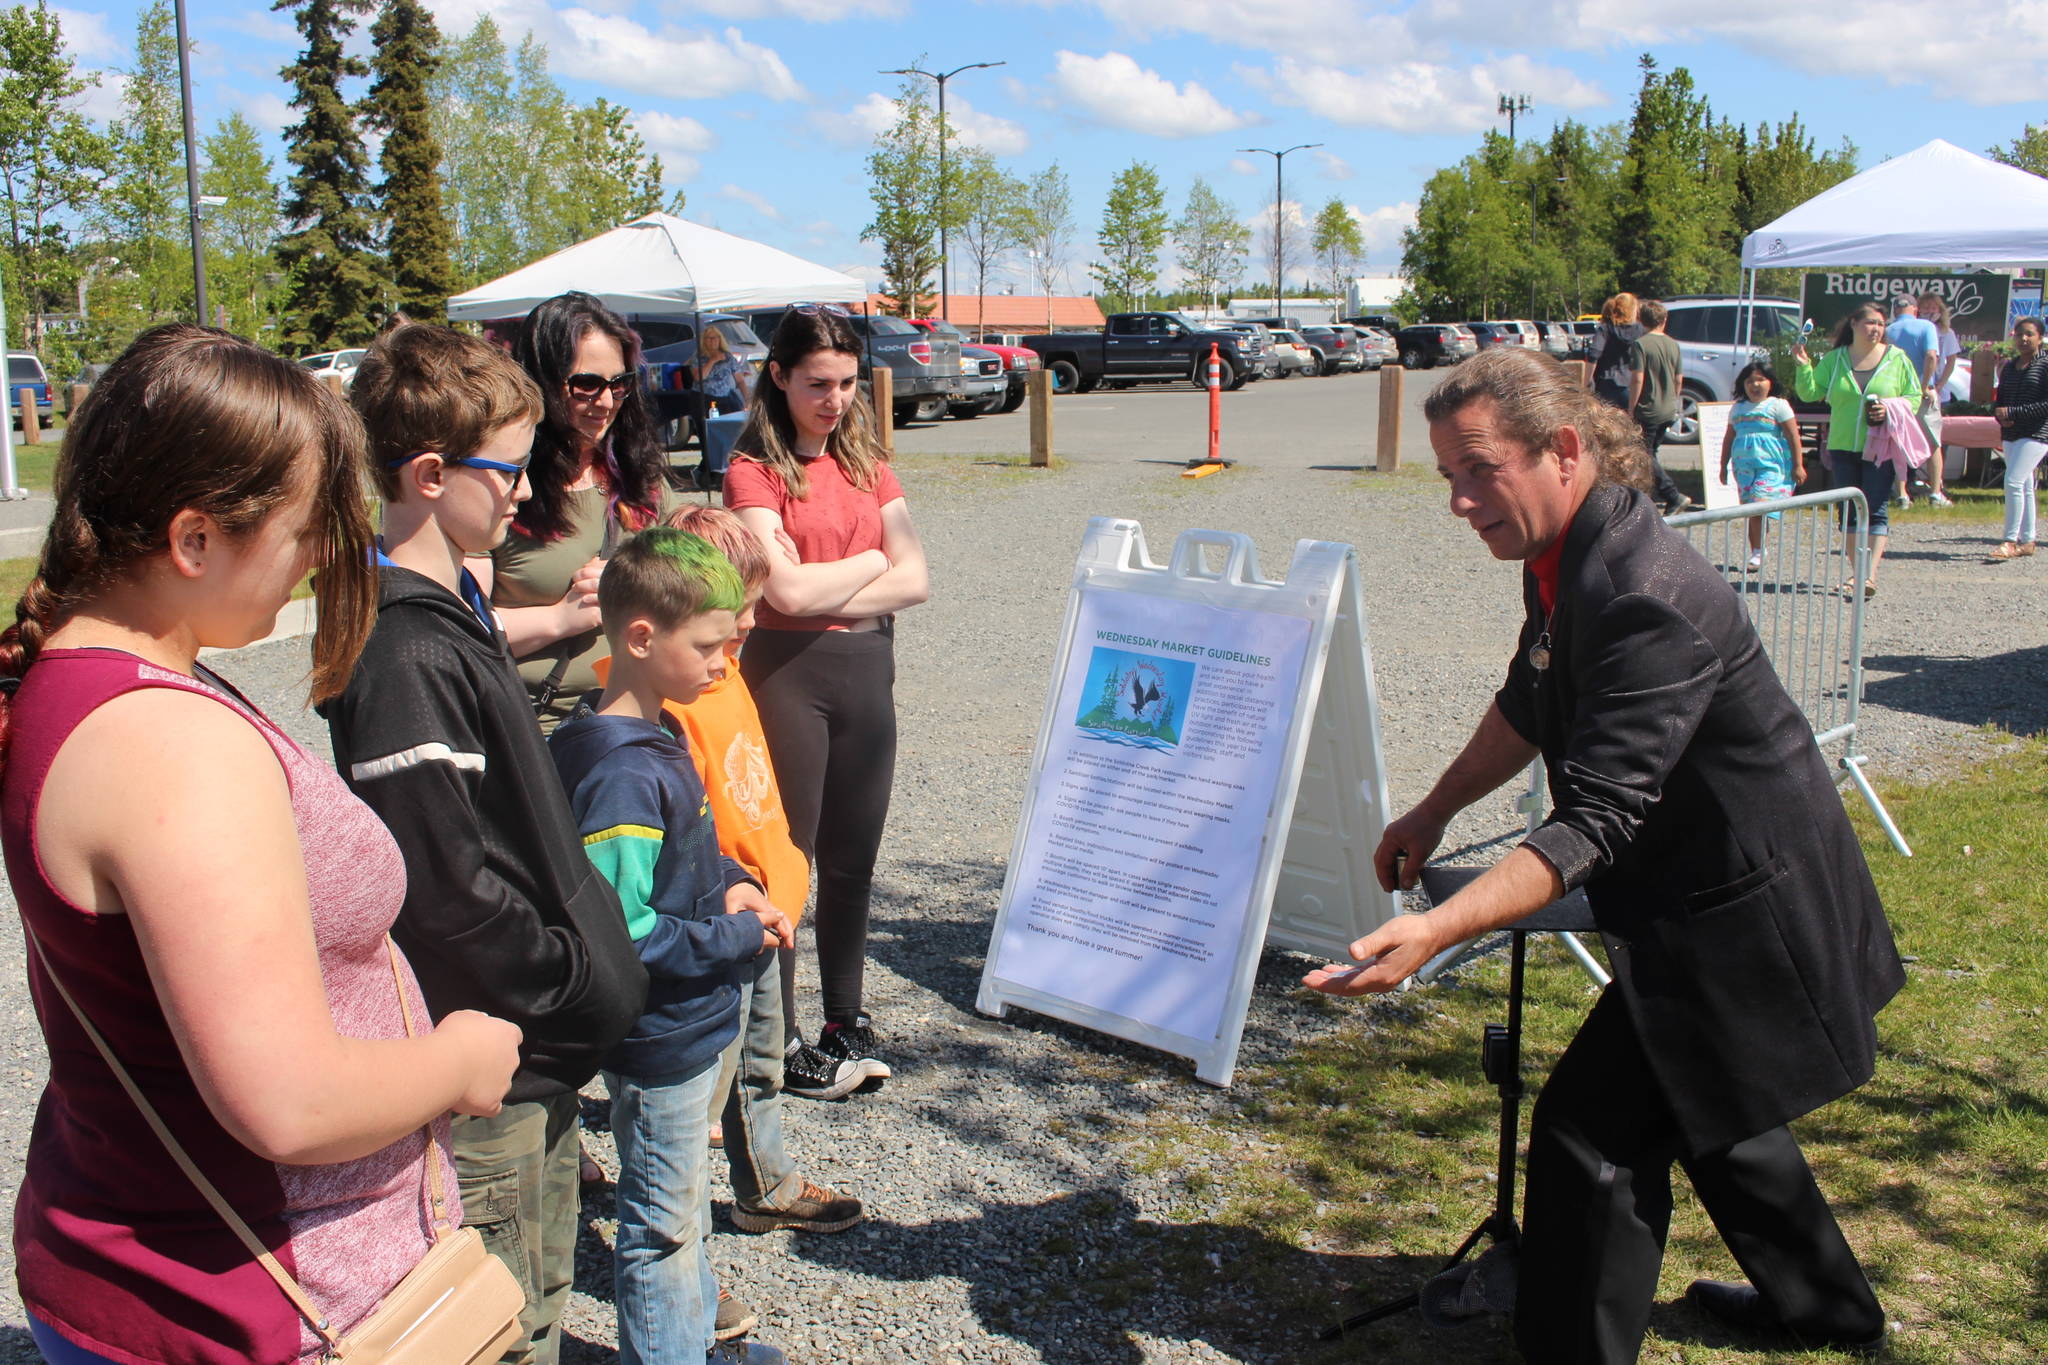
{"type": "Point", "coordinates": [1385, 958]}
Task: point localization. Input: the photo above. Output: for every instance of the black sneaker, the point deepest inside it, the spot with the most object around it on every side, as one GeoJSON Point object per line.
{"type": "Point", "coordinates": [855, 1042]}
{"type": "Point", "coordinates": [816, 1075]}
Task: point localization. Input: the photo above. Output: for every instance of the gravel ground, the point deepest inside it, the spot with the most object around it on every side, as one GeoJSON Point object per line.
{"type": "Point", "coordinates": [996, 1166]}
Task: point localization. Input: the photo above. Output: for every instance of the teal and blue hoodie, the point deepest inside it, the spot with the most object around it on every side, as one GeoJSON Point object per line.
{"type": "Point", "coordinates": [646, 825]}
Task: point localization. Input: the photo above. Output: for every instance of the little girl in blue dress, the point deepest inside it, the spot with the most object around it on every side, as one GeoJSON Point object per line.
{"type": "Point", "coordinates": [1763, 446]}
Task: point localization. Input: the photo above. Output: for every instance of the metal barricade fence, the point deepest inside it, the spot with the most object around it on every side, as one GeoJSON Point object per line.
{"type": "Point", "coordinates": [1805, 600]}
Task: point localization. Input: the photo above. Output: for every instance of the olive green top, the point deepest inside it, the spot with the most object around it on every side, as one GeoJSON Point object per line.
{"type": "Point", "coordinates": [531, 573]}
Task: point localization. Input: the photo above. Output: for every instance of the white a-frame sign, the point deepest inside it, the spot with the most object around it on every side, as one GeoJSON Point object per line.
{"type": "Point", "coordinates": [1207, 778]}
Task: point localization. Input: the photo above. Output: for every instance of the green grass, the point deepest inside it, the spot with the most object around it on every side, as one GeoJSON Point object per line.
{"type": "Point", "coordinates": [15, 574]}
{"type": "Point", "coordinates": [34, 464]}
{"type": "Point", "coordinates": [1374, 1145]}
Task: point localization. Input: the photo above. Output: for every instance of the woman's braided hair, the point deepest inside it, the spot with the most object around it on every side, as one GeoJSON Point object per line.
{"type": "Point", "coordinates": [192, 417]}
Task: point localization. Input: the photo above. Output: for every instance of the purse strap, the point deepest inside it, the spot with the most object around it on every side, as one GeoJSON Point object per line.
{"type": "Point", "coordinates": [290, 1286]}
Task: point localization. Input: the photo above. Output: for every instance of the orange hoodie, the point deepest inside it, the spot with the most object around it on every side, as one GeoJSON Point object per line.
{"type": "Point", "coordinates": [731, 754]}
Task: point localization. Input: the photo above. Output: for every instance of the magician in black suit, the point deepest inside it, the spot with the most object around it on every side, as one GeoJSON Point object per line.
{"type": "Point", "coordinates": [1748, 947]}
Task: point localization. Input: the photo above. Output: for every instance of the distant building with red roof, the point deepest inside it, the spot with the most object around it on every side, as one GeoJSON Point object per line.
{"type": "Point", "coordinates": [1008, 312]}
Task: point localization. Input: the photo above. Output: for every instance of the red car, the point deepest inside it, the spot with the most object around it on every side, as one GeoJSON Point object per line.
{"type": "Point", "coordinates": [1017, 361]}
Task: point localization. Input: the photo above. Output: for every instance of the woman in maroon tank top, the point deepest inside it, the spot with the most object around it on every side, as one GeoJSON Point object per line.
{"type": "Point", "coordinates": [211, 895]}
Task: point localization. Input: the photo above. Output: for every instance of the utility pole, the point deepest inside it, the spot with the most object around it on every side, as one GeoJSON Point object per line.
{"type": "Point", "coordinates": [1512, 105]}
{"type": "Point", "coordinates": [191, 168]}
{"type": "Point", "coordinates": [945, 253]}
{"type": "Point", "coordinates": [1279, 228]}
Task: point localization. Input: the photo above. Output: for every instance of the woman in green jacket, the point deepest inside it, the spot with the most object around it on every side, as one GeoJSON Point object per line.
{"type": "Point", "coordinates": [1861, 370]}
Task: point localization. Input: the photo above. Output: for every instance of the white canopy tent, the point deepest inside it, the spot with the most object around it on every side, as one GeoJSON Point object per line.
{"type": "Point", "coordinates": [1936, 206]}
{"type": "Point", "coordinates": [663, 264]}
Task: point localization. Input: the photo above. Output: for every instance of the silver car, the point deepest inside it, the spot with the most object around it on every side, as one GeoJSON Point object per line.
{"type": "Point", "coordinates": [1705, 328]}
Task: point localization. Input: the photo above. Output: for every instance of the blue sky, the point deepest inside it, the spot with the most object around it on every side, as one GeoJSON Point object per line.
{"type": "Point", "coordinates": [763, 109]}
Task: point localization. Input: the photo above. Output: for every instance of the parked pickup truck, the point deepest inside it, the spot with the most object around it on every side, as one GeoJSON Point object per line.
{"type": "Point", "coordinates": [924, 368]}
{"type": "Point", "coordinates": [1136, 348]}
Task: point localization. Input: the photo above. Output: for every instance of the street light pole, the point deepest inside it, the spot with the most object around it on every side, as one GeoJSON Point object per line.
{"type": "Point", "coordinates": [191, 167]}
{"type": "Point", "coordinates": [945, 246]}
{"type": "Point", "coordinates": [1279, 242]}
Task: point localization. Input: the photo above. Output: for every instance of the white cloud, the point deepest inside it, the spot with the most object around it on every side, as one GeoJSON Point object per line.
{"type": "Point", "coordinates": [875, 114]}
{"type": "Point", "coordinates": [1382, 228]}
{"type": "Point", "coordinates": [1244, 165]}
{"type": "Point", "coordinates": [262, 26]}
{"type": "Point", "coordinates": [1113, 89]}
{"type": "Point", "coordinates": [992, 133]}
{"type": "Point", "coordinates": [101, 102]}
{"type": "Point", "coordinates": [1334, 167]}
{"type": "Point", "coordinates": [810, 11]}
{"type": "Point", "coordinates": [618, 51]}
{"type": "Point", "coordinates": [820, 227]}
{"type": "Point", "coordinates": [87, 35]}
{"type": "Point", "coordinates": [1421, 97]}
{"type": "Point", "coordinates": [267, 111]}
{"type": "Point", "coordinates": [757, 202]}
{"type": "Point", "coordinates": [1983, 51]}
{"type": "Point", "coordinates": [677, 139]}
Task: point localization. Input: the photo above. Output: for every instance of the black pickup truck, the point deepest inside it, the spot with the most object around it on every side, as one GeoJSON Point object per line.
{"type": "Point", "coordinates": [1144, 348]}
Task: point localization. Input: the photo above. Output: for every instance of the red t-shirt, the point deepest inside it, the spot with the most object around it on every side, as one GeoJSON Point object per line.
{"type": "Point", "coordinates": [834, 520]}
{"type": "Point", "coordinates": [1544, 568]}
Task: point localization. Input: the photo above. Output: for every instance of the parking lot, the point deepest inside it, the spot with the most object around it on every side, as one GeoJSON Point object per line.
{"type": "Point", "coordinates": [1328, 423]}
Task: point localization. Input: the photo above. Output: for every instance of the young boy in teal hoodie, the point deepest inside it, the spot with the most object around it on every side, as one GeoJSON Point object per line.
{"type": "Point", "coordinates": [669, 603]}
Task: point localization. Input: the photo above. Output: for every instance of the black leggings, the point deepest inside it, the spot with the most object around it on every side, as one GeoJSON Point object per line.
{"type": "Point", "coordinates": [828, 708]}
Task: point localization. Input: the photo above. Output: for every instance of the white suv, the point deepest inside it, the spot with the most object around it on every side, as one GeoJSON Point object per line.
{"type": "Point", "coordinates": [1705, 327]}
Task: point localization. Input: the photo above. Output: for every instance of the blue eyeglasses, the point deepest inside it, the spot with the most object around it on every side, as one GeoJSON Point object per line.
{"type": "Point", "coordinates": [474, 461]}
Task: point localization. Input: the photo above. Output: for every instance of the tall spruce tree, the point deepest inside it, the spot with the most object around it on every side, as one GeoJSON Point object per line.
{"type": "Point", "coordinates": [416, 231]}
{"type": "Point", "coordinates": [334, 286]}
{"type": "Point", "coordinates": [1671, 236]}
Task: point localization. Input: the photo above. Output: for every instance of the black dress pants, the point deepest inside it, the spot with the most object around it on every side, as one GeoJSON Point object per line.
{"type": "Point", "coordinates": [1601, 1146]}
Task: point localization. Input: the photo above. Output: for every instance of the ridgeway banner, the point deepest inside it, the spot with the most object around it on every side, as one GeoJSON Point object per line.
{"type": "Point", "coordinates": [1977, 303]}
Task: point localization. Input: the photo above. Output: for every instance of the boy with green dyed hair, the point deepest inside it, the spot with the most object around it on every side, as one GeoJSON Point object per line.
{"type": "Point", "coordinates": [669, 604]}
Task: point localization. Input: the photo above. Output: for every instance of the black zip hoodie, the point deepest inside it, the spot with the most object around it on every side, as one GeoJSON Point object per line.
{"type": "Point", "coordinates": [503, 912]}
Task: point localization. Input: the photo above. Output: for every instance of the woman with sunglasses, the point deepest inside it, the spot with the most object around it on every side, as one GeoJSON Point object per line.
{"type": "Point", "coordinates": [598, 474]}
{"type": "Point", "coordinates": [809, 476]}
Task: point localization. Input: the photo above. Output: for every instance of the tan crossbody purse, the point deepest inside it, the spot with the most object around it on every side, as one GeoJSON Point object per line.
{"type": "Point", "coordinates": [458, 1306]}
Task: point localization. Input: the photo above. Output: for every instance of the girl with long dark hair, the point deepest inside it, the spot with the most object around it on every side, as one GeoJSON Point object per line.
{"type": "Point", "coordinates": [598, 474]}
{"type": "Point", "coordinates": [212, 898]}
{"type": "Point", "coordinates": [809, 474]}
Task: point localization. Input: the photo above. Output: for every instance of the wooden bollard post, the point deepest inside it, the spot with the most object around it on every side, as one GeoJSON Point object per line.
{"type": "Point", "coordinates": [1387, 458]}
{"type": "Point", "coordinates": [1038, 386]}
{"type": "Point", "coordinates": [31, 430]}
{"type": "Point", "coordinates": [885, 406]}
{"type": "Point", "coordinates": [1584, 370]}
{"type": "Point", "coordinates": [1984, 374]}
{"type": "Point", "coordinates": [78, 393]}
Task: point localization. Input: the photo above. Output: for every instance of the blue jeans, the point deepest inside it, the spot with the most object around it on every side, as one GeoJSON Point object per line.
{"type": "Point", "coordinates": [666, 1295]}
{"type": "Point", "coordinates": [58, 1350]}
{"type": "Point", "coordinates": [1849, 470]}
{"type": "Point", "coordinates": [748, 1102]}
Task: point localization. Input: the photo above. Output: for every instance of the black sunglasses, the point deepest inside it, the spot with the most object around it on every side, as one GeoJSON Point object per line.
{"type": "Point", "coordinates": [587, 386]}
